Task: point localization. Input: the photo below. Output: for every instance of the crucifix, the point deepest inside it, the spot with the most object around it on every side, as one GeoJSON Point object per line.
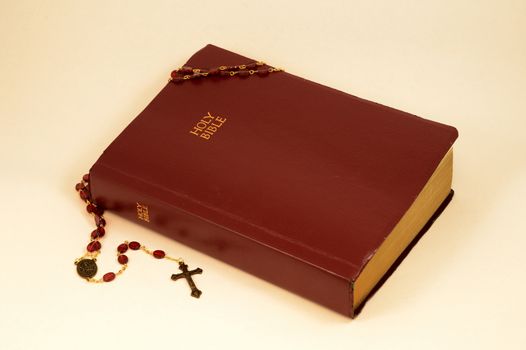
{"type": "Point", "coordinates": [196, 293]}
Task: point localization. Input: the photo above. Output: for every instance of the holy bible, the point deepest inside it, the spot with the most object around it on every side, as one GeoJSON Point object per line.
{"type": "Point", "coordinates": [315, 190]}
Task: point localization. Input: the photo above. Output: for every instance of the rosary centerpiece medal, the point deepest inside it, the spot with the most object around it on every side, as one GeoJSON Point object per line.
{"type": "Point", "coordinates": [86, 268]}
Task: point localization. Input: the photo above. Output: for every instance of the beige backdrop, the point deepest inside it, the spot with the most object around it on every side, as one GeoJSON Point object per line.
{"type": "Point", "coordinates": [73, 74]}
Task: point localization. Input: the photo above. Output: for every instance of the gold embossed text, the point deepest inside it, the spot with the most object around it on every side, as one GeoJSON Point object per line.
{"type": "Point", "coordinates": [142, 212]}
{"type": "Point", "coordinates": [207, 126]}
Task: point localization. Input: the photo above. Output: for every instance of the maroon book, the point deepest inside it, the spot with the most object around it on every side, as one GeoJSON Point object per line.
{"type": "Point", "coordinates": [292, 181]}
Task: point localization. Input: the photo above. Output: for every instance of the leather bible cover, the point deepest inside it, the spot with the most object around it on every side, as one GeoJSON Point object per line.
{"type": "Point", "coordinates": [297, 183]}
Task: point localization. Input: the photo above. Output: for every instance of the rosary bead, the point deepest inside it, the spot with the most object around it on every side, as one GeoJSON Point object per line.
{"type": "Point", "coordinates": [98, 233]}
{"type": "Point", "coordinates": [101, 231]}
{"type": "Point", "coordinates": [122, 248]}
{"type": "Point", "coordinates": [262, 71]}
{"type": "Point", "coordinates": [98, 211]}
{"type": "Point", "coordinates": [243, 73]}
{"type": "Point", "coordinates": [186, 70]}
{"type": "Point", "coordinates": [99, 221]}
{"type": "Point", "coordinates": [134, 245]}
{"type": "Point", "coordinates": [214, 71]}
{"type": "Point", "coordinates": [90, 208]}
{"type": "Point", "coordinates": [110, 276]}
{"type": "Point", "coordinates": [83, 195]}
{"type": "Point", "coordinates": [79, 186]}
{"type": "Point", "coordinates": [158, 254]}
{"type": "Point", "coordinates": [251, 65]}
{"type": "Point", "coordinates": [85, 178]}
{"type": "Point", "coordinates": [224, 73]}
{"type": "Point", "coordinates": [173, 74]}
{"type": "Point", "coordinates": [93, 246]}
{"type": "Point", "coordinates": [94, 234]}
{"type": "Point", "coordinates": [122, 259]}
{"type": "Point", "coordinates": [178, 80]}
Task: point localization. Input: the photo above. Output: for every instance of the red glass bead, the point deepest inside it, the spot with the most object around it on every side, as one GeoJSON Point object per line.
{"type": "Point", "coordinates": [214, 71]}
{"type": "Point", "coordinates": [94, 234]}
{"type": "Point", "coordinates": [134, 245]}
{"type": "Point", "coordinates": [101, 231]}
{"type": "Point", "coordinates": [85, 178]}
{"type": "Point", "coordinates": [262, 71]}
{"type": "Point", "coordinates": [93, 246]}
{"type": "Point", "coordinates": [122, 248]}
{"type": "Point", "coordinates": [178, 80]}
{"type": "Point", "coordinates": [243, 73]}
{"type": "Point", "coordinates": [186, 70]}
{"type": "Point", "coordinates": [83, 195]}
{"type": "Point", "coordinates": [251, 65]}
{"type": "Point", "coordinates": [108, 277]}
{"type": "Point", "coordinates": [98, 233]}
{"type": "Point", "coordinates": [224, 73]}
{"type": "Point", "coordinates": [173, 74]}
{"type": "Point", "coordinates": [90, 208]}
{"type": "Point", "coordinates": [79, 186]}
{"type": "Point", "coordinates": [122, 259]}
{"type": "Point", "coordinates": [99, 221]}
{"type": "Point", "coordinates": [158, 254]}
{"type": "Point", "coordinates": [98, 211]}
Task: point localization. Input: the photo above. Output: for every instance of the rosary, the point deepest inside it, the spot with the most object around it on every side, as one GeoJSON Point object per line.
{"type": "Point", "coordinates": [243, 70]}
{"type": "Point", "coordinates": [87, 263]}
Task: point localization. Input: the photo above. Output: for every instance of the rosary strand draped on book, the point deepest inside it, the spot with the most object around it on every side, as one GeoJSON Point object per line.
{"type": "Point", "coordinates": [86, 264]}
{"type": "Point", "coordinates": [242, 70]}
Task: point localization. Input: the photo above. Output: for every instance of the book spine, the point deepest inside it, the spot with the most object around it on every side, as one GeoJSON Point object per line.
{"type": "Point", "coordinates": [139, 201]}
